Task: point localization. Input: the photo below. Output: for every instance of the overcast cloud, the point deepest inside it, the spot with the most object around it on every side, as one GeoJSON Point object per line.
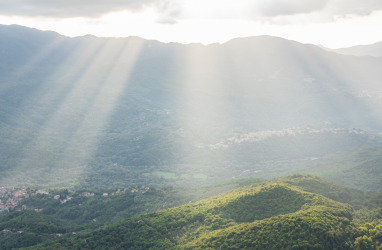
{"type": "Point", "coordinates": [272, 8]}
{"type": "Point", "coordinates": [328, 9]}
{"type": "Point", "coordinates": [354, 7]}
{"type": "Point", "coordinates": [74, 8]}
{"type": "Point", "coordinates": [171, 10]}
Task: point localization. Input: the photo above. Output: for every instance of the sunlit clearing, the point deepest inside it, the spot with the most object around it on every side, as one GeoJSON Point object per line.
{"type": "Point", "coordinates": [99, 73]}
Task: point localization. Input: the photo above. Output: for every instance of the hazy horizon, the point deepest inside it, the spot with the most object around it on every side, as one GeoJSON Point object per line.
{"type": "Point", "coordinates": [332, 24]}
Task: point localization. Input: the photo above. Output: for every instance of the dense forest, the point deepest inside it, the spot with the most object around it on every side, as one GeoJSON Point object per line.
{"type": "Point", "coordinates": [98, 113]}
{"type": "Point", "coordinates": [118, 143]}
{"type": "Point", "coordinates": [293, 212]}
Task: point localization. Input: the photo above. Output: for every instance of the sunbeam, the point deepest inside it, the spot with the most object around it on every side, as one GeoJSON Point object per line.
{"type": "Point", "coordinates": [190, 124]}
{"type": "Point", "coordinates": [203, 82]}
{"type": "Point", "coordinates": [71, 133]}
{"type": "Point", "coordinates": [30, 62]}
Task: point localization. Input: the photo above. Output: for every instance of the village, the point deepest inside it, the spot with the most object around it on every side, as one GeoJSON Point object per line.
{"type": "Point", "coordinates": [293, 131]}
{"type": "Point", "coordinates": [11, 198]}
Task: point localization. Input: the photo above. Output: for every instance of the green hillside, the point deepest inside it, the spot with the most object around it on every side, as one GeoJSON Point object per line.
{"type": "Point", "coordinates": [297, 211]}
{"type": "Point", "coordinates": [273, 215]}
{"type": "Point", "coordinates": [99, 113]}
{"type": "Point", "coordinates": [30, 228]}
{"type": "Point", "coordinates": [358, 168]}
{"type": "Point", "coordinates": [62, 213]}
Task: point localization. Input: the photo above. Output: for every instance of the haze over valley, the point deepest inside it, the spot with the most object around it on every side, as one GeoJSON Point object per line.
{"type": "Point", "coordinates": [99, 135]}
{"type": "Point", "coordinates": [86, 110]}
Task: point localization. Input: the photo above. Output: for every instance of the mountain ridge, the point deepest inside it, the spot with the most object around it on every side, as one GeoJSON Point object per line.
{"type": "Point", "coordinates": [374, 50]}
{"type": "Point", "coordinates": [84, 111]}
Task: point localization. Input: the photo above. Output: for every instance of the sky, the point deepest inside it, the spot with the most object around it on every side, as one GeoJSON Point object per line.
{"type": "Point", "coordinates": [331, 23]}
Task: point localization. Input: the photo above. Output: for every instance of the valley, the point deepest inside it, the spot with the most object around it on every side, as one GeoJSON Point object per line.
{"type": "Point", "coordinates": [129, 111]}
{"type": "Point", "coordinates": [257, 142]}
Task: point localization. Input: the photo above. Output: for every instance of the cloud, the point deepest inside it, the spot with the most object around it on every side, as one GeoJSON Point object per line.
{"type": "Point", "coordinates": [269, 9]}
{"type": "Point", "coordinates": [169, 11]}
{"type": "Point", "coordinates": [74, 8]}
{"type": "Point", "coordinates": [354, 7]}
{"type": "Point", "coordinates": [273, 8]}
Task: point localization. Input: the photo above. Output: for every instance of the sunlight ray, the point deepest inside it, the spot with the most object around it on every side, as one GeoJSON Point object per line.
{"type": "Point", "coordinates": [30, 65]}
{"type": "Point", "coordinates": [205, 117]}
{"type": "Point", "coordinates": [79, 120]}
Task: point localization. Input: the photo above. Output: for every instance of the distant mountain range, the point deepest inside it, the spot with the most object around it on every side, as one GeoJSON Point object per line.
{"type": "Point", "coordinates": [363, 50]}
{"type": "Point", "coordinates": [114, 112]}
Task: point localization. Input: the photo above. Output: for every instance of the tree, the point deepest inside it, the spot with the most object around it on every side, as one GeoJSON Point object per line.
{"type": "Point", "coordinates": [363, 243]}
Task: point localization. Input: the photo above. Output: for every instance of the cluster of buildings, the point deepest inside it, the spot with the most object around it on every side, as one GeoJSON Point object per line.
{"type": "Point", "coordinates": [141, 190]}
{"type": "Point", "coordinates": [263, 135]}
{"type": "Point", "coordinates": [118, 192]}
{"type": "Point", "coordinates": [10, 198]}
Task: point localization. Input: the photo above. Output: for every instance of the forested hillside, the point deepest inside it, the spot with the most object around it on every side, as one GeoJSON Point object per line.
{"type": "Point", "coordinates": [190, 124]}
{"type": "Point", "coordinates": [29, 217]}
{"type": "Point", "coordinates": [99, 113]}
{"type": "Point", "coordinates": [271, 215]}
{"type": "Point", "coordinates": [123, 143]}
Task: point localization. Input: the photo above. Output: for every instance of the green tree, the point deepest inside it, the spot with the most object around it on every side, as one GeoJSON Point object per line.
{"type": "Point", "coordinates": [364, 243]}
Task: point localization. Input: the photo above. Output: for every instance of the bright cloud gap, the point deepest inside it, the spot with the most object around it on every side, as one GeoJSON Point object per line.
{"type": "Point", "coordinates": [331, 23]}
